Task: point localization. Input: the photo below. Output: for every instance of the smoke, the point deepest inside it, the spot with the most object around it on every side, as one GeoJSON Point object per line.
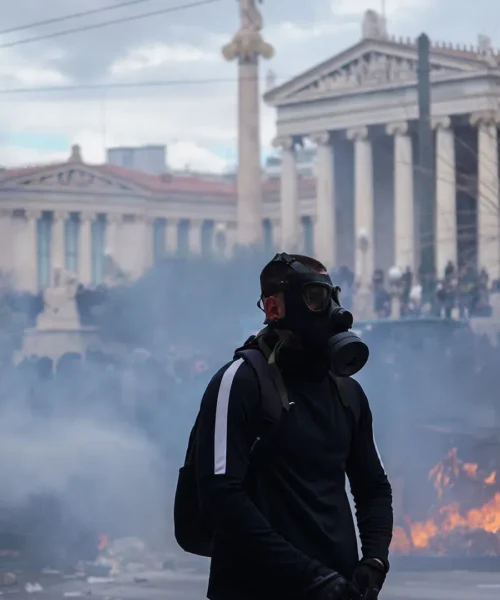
{"type": "Point", "coordinates": [95, 447]}
{"type": "Point", "coordinates": [106, 475]}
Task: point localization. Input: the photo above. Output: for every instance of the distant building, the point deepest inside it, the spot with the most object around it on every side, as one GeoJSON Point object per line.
{"type": "Point", "coordinates": [148, 159]}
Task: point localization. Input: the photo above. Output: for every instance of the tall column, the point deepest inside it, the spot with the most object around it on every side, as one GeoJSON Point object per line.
{"type": "Point", "coordinates": [85, 248]}
{"type": "Point", "coordinates": [363, 204]}
{"type": "Point", "coordinates": [446, 196]}
{"type": "Point", "coordinates": [58, 246]}
{"type": "Point", "coordinates": [144, 228]}
{"type": "Point", "coordinates": [172, 235]}
{"type": "Point", "coordinates": [6, 240]}
{"type": "Point", "coordinates": [289, 196]}
{"type": "Point", "coordinates": [325, 239]}
{"type": "Point", "coordinates": [195, 236]}
{"type": "Point", "coordinates": [113, 222]}
{"type": "Point", "coordinates": [404, 223]}
{"type": "Point", "coordinates": [247, 46]}
{"type": "Point", "coordinates": [488, 209]}
{"type": "Point", "coordinates": [27, 275]}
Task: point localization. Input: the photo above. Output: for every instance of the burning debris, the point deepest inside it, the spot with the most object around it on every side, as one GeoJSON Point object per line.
{"type": "Point", "coordinates": [469, 527]}
{"type": "Point", "coordinates": [124, 555]}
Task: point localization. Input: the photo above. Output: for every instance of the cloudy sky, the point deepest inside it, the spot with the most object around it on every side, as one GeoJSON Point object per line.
{"type": "Point", "coordinates": [193, 111]}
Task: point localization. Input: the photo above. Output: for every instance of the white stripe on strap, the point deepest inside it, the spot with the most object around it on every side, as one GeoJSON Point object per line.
{"type": "Point", "coordinates": [220, 439]}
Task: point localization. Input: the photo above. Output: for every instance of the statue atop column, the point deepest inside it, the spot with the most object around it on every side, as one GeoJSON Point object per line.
{"type": "Point", "coordinates": [60, 310]}
{"type": "Point", "coordinates": [374, 26]}
{"type": "Point", "coordinates": [247, 42]}
{"type": "Point", "coordinates": [247, 46]}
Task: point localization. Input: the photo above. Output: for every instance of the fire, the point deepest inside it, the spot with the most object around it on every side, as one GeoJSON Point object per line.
{"type": "Point", "coordinates": [452, 527]}
{"type": "Point", "coordinates": [103, 542]}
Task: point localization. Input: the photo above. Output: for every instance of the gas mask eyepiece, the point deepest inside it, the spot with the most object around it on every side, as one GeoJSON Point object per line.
{"type": "Point", "coordinates": [313, 313]}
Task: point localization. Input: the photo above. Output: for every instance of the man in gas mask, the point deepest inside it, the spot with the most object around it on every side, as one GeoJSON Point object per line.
{"type": "Point", "coordinates": [283, 528]}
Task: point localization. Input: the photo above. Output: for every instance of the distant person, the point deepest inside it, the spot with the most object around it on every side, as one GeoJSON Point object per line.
{"type": "Point", "coordinates": [276, 502]}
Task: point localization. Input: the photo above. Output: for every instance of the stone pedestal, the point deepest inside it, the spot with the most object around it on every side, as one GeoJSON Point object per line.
{"type": "Point", "coordinates": [55, 343]}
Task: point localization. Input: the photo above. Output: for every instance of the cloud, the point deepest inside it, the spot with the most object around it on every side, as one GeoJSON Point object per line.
{"type": "Point", "coordinates": [185, 47]}
{"type": "Point", "coordinates": [394, 9]}
{"type": "Point", "coordinates": [189, 155]}
{"type": "Point", "coordinates": [292, 33]}
{"type": "Point", "coordinates": [155, 56]}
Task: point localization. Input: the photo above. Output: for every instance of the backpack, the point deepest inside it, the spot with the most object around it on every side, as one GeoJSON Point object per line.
{"type": "Point", "coordinates": [191, 530]}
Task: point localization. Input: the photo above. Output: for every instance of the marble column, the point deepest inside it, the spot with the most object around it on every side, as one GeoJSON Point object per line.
{"type": "Point", "coordinates": [172, 236]}
{"type": "Point", "coordinates": [113, 222]}
{"type": "Point", "coordinates": [488, 209]}
{"type": "Point", "coordinates": [363, 205]}
{"type": "Point", "coordinates": [325, 239]}
{"type": "Point", "coordinates": [58, 245]}
{"type": "Point", "coordinates": [289, 196]}
{"type": "Point", "coordinates": [6, 240]}
{"type": "Point", "coordinates": [85, 248]}
{"type": "Point", "coordinates": [27, 274]}
{"type": "Point", "coordinates": [146, 222]}
{"type": "Point", "coordinates": [195, 236]}
{"type": "Point", "coordinates": [446, 196]}
{"type": "Point", "coordinates": [248, 46]}
{"type": "Point", "coordinates": [404, 223]}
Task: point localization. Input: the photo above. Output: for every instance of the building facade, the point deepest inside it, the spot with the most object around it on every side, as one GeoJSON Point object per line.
{"type": "Point", "coordinates": [360, 109]}
{"type": "Point", "coordinates": [81, 217]}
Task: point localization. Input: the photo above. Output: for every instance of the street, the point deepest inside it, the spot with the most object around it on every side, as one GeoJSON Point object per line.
{"type": "Point", "coordinates": [400, 586]}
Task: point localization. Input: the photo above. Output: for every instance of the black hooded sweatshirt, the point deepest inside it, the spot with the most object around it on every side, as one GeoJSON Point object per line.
{"type": "Point", "coordinates": [282, 514]}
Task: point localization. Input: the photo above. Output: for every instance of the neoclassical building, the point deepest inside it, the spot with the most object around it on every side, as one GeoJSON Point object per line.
{"type": "Point", "coordinates": [360, 110]}
{"type": "Point", "coordinates": [78, 217]}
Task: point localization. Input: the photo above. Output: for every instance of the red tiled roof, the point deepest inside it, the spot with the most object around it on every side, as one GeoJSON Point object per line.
{"type": "Point", "coordinates": [171, 183]}
{"type": "Point", "coordinates": [162, 184]}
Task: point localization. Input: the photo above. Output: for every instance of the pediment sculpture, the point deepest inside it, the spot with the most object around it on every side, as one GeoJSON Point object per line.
{"type": "Point", "coordinates": [72, 177]}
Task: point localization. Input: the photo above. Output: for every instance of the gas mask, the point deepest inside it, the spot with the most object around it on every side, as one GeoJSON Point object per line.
{"type": "Point", "coordinates": [313, 313]}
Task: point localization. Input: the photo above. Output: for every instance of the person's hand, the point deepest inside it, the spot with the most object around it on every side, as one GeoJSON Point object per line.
{"type": "Point", "coordinates": [368, 578]}
{"type": "Point", "coordinates": [331, 586]}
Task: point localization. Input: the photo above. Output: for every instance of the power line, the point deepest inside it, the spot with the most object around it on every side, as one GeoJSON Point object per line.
{"type": "Point", "coordinates": [124, 85]}
{"type": "Point", "coordinates": [108, 23]}
{"type": "Point", "coordinates": [85, 13]}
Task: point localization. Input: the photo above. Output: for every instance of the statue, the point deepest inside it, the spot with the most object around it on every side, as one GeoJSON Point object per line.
{"type": "Point", "coordinates": [248, 43]}
{"type": "Point", "coordinates": [60, 310]}
{"type": "Point", "coordinates": [374, 26]}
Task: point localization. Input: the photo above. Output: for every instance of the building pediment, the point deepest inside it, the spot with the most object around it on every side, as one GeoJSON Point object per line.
{"type": "Point", "coordinates": [68, 178]}
{"type": "Point", "coordinates": [370, 64]}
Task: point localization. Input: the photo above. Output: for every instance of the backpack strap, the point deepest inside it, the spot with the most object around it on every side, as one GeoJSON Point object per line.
{"type": "Point", "coordinates": [348, 398]}
{"type": "Point", "coordinates": [271, 406]}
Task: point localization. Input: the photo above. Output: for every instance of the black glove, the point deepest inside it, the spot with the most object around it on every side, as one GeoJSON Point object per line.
{"type": "Point", "coordinates": [330, 586]}
{"type": "Point", "coordinates": [368, 578]}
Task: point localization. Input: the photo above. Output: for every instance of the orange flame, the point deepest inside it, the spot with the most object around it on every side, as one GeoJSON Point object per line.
{"type": "Point", "coordinates": [103, 541]}
{"type": "Point", "coordinates": [434, 532]}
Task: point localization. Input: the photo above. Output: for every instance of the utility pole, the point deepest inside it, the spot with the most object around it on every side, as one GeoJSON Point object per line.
{"type": "Point", "coordinates": [426, 164]}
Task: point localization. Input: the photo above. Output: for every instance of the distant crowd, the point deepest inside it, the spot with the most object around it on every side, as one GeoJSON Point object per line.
{"type": "Point", "coordinates": [459, 293]}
